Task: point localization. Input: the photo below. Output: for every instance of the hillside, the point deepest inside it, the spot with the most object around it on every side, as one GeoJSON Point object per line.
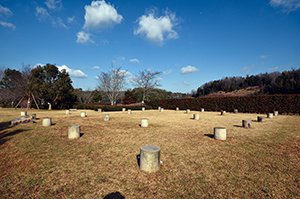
{"type": "Point", "coordinates": [240, 92]}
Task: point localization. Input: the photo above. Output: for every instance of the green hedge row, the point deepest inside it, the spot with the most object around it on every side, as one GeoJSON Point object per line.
{"type": "Point", "coordinates": [109, 107]}
{"type": "Point", "coordinates": [246, 104]}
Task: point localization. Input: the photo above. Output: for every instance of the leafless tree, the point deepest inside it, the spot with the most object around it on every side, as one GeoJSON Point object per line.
{"type": "Point", "coordinates": [111, 83]}
{"type": "Point", "coordinates": [146, 80]}
{"type": "Point", "coordinates": [85, 97]}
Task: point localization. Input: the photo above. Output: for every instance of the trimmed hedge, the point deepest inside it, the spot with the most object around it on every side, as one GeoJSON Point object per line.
{"type": "Point", "coordinates": [246, 104]}
{"type": "Point", "coordinates": [109, 107]}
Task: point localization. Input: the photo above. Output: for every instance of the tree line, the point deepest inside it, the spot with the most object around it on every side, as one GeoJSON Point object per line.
{"type": "Point", "coordinates": [286, 82]}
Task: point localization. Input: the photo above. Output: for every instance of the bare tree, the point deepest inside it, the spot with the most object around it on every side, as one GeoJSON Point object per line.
{"type": "Point", "coordinates": [146, 80]}
{"type": "Point", "coordinates": [111, 83]}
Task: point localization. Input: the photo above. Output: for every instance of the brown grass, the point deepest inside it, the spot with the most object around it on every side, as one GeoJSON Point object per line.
{"type": "Point", "coordinates": [40, 162]}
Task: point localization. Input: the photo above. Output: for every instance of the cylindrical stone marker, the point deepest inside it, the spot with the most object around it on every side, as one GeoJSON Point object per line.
{"type": "Point", "coordinates": [47, 121]}
{"type": "Point", "coordinates": [220, 133]}
{"type": "Point", "coordinates": [67, 112]}
{"type": "Point", "coordinates": [187, 111]}
{"type": "Point", "coordinates": [143, 109]}
{"type": "Point", "coordinates": [106, 117]}
{"type": "Point", "coordinates": [235, 111]}
{"type": "Point", "coordinates": [129, 111]}
{"type": "Point", "coordinates": [270, 115]}
{"type": "Point", "coordinates": [246, 123]}
{"type": "Point", "coordinates": [33, 116]}
{"type": "Point", "coordinates": [74, 132]}
{"type": "Point", "coordinates": [223, 112]}
{"type": "Point", "coordinates": [99, 110]}
{"type": "Point", "coordinates": [144, 122]}
{"type": "Point", "coordinates": [260, 119]}
{"type": "Point", "coordinates": [177, 109]}
{"type": "Point", "coordinates": [150, 158]}
{"type": "Point", "coordinates": [161, 109]}
{"type": "Point", "coordinates": [275, 113]}
{"type": "Point", "coordinates": [202, 110]}
{"type": "Point", "coordinates": [82, 114]}
{"type": "Point", "coordinates": [123, 109]}
{"type": "Point", "coordinates": [196, 117]}
{"type": "Point", "coordinates": [23, 113]}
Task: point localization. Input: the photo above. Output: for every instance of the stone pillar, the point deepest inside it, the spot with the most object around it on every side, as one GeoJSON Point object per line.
{"type": "Point", "coordinates": [275, 113]}
{"type": "Point", "coordinates": [235, 111]}
{"type": "Point", "coordinates": [220, 133]}
{"type": "Point", "coordinates": [33, 116]}
{"type": "Point", "coordinates": [99, 110]}
{"type": "Point", "coordinates": [23, 113]}
{"type": "Point", "coordinates": [143, 109]}
{"type": "Point", "coordinates": [144, 122]}
{"type": "Point", "coordinates": [259, 119]}
{"type": "Point", "coordinates": [196, 117]}
{"type": "Point", "coordinates": [246, 123]}
{"type": "Point", "coordinates": [47, 121]}
{"type": "Point", "coordinates": [82, 114]}
{"type": "Point", "coordinates": [150, 158]}
{"type": "Point", "coordinates": [74, 132]}
{"type": "Point", "coordinates": [187, 111]}
{"type": "Point", "coordinates": [223, 112]}
{"type": "Point", "coordinates": [106, 118]}
{"type": "Point", "coordinates": [67, 112]}
{"type": "Point", "coordinates": [177, 109]}
{"type": "Point", "coordinates": [129, 111]}
{"type": "Point", "coordinates": [123, 109]}
{"type": "Point", "coordinates": [202, 110]}
{"type": "Point", "coordinates": [161, 109]}
{"type": "Point", "coordinates": [270, 115]}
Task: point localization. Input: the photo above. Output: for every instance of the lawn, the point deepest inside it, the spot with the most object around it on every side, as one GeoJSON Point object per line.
{"type": "Point", "coordinates": [40, 162]}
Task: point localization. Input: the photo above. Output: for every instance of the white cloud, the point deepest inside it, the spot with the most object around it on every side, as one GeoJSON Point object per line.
{"type": "Point", "coordinates": [157, 29]}
{"type": "Point", "coordinates": [53, 4]}
{"type": "Point", "coordinates": [83, 37]}
{"type": "Point", "coordinates": [96, 67]}
{"type": "Point", "coordinates": [286, 5]}
{"type": "Point", "coordinates": [99, 15]}
{"type": "Point", "coordinates": [7, 25]}
{"type": "Point", "coordinates": [71, 19]}
{"type": "Point", "coordinates": [41, 13]}
{"type": "Point", "coordinates": [5, 11]}
{"type": "Point", "coordinates": [134, 61]}
{"type": "Point", "coordinates": [188, 69]}
{"type": "Point", "coordinates": [72, 72]}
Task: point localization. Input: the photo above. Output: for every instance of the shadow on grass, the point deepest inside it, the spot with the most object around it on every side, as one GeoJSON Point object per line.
{"type": "Point", "coordinates": [114, 195]}
{"type": "Point", "coordinates": [212, 136]}
{"type": "Point", "coordinates": [81, 134]}
{"type": "Point", "coordinates": [5, 136]}
{"type": "Point", "coordinates": [4, 125]}
{"type": "Point", "coordinates": [239, 126]}
{"type": "Point", "coordinates": [138, 159]}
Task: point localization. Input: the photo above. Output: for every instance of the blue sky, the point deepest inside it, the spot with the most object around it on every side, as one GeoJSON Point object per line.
{"type": "Point", "coordinates": [190, 42]}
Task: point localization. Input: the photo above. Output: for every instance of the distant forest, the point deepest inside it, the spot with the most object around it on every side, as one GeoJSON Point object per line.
{"type": "Point", "coordinates": [287, 82]}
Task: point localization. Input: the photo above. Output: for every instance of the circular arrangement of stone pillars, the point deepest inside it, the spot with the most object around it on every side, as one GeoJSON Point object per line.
{"type": "Point", "coordinates": [74, 132]}
{"type": "Point", "coordinates": [149, 158]}
{"type": "Point", "coordinates": [246, 123]}
{"type": "Point", "coordinates": [83, 114]}
{"type": "Point", "coordinates": [220, 133]}
{"type": "Point", "coordinates": [47, 121]}
{"type": "Point", "coordinates": [260, 119]}
{"type": "Point", "coordinates": [144, 122]}
{"type": "Point", "coordinates": [196, 117]}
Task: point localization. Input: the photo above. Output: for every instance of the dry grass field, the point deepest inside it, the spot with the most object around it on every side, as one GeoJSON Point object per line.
{"type": "Point", "coordinates": [40, 162]}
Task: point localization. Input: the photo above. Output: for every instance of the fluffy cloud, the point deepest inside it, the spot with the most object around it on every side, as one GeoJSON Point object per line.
{"type": "Point", "coordinates": [286, 5]}
{"type": "Point", "coordinates": [99, 15]}
{"type": "Point", "coordinates": [72, 72]}
{"type": "Point", "coordinates": [53, 4]}
{"type": "Point", "coordinates": [7, 25]}
{"type": "Point", "coordinates": [134, 61]}
{"type": "Point", "coordinates": [5, 11]}
{"type": "Point", "coordinates": [83, 37]}
{"type": "Point", "coordinates": [41, 13]}
{"type": "Point", "coordinates": [188, 69]}
{"type": "Point", "coordinates": [157, 29]}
